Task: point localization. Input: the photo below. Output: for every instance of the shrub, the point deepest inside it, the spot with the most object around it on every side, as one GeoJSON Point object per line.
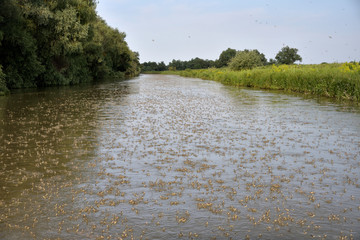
{"type": "Point", "coordinates": [245, 60]}
{"type": "Point", "coordinates": [288, 55]}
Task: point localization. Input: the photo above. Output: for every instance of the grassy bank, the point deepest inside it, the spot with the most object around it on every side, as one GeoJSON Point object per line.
{"type": "Point", "coordinates": [336, 80]}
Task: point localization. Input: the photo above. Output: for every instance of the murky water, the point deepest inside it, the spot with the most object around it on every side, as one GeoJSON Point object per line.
{"type": "Point", "coordinates": [164, 157]}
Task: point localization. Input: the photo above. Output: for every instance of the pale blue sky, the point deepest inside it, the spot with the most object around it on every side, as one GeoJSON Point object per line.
{"type": "Point", "coordinates": [162, 30]}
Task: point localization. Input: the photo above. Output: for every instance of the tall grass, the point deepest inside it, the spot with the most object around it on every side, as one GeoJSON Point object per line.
{"type": "Point", "coordinates": [336, 80]}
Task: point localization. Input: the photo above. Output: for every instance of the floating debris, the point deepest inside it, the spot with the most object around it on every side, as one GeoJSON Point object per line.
{"type": "Point", "coordinates": [163, 157]}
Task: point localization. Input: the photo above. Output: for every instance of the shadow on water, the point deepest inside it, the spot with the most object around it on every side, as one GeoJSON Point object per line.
{"type": "Point", "coordinates": [45, 133]}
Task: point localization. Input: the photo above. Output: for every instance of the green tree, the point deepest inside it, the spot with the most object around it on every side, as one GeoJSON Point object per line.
{"type": "Point", "coordinates": [62, 28]}
{"type": "Point", "coordinates": [134, 66]}
{"type": "Point", "coordinates": [225, 57]}
{"type": "Point", "coordinates": [198, 63]}
{"type": "Point", "coordinates": [162, 66]}
{"type": "Point", "coordinates": [44, 43]}
{"type": "Point", "coordinates": [272, 61]}
{"type": "Point", "coordinates": [18, 55]}
{"type": "Point", "coordinates": [262, 57]}
{"type": "Point", "coordinates": [153, 66]}
{"type": "Point", "coordinates": [246, 59]}
{"type": "Point", "coordinates": [177, 64]}
{"type": "Point", "coordinates": [288, 55]}
{"type": "Point", "coordinates": [117, 58]}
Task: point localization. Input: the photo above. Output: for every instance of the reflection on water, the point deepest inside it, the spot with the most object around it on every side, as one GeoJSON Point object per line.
{"type": "Point", "coordinates": [164, 157]}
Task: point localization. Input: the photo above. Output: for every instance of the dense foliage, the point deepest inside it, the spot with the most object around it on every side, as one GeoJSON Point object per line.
{"type": "Point", "coordinates": [236, 60]}
{"type": "Point", "coordinates": [3, 89]}
{"type": "Point", "coordinates": [46, 43]}
{"type": "Point", "coordinates": [195, 63]}
{"type": "Point", "coordinates": [153, 66]}
{"type": "Point", "coordinates": [225, 58]}
{"type": "Point", "coordinates": [287, 55]}
{"type": "Point", "coordinates": [247, 59]}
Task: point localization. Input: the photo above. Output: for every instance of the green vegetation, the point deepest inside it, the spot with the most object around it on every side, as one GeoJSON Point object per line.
{"type": "Point", "coordinates": [340, 81]}
{"type": "Point", "coordinates": [287, 56]}
{"type": "Point", "coordinates": [50, 43]}
{"type": "Point", "coordinates": [153, 66]}
{"type": "Point", "coordinates": [237, 60]}
{"type": "Point", "coordinates": [3, 89]}
{"type": "Point", "coordinates": [225, 57]}
{"type": "Point", "coordinates": [250, 68]}
{"type": "Point", "coordinates": [247, 59]}
{"type": "Point", "coordinates": [195, 63]}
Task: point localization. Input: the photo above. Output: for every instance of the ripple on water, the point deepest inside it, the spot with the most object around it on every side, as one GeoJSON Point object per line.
{"type": "Point", "coordinates": [164, 157]}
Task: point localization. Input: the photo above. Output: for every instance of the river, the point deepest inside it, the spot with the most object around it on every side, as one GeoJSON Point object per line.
{"type": "Point", "coordinates": [166, 157]}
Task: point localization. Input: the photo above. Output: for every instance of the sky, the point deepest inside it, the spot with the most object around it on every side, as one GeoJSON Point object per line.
{"type": "Point", "coordinates": [163, 30]}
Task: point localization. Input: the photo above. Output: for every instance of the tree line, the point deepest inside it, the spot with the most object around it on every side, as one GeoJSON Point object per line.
{"type": "Point", "coordinates": [63, 42]}
{"type": "Point", "coordinates": [232, 58]}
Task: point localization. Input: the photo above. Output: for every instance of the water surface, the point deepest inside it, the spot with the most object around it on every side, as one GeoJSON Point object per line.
{"type": "Point", "coordinates": [166, 157]}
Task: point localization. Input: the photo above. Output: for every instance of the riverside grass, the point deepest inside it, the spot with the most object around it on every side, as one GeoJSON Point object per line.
{"type": "Point", "coordinates": [341, 81]}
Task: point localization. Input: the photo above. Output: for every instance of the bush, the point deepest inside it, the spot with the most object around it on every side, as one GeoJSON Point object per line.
{"type": "Point", "coordinates": [288, 55]}
{"type": "Point", "coordinates": [245, 60]}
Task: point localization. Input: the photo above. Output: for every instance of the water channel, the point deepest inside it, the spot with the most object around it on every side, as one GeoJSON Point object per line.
{"type": "Point", "coordinates": [166, 157]}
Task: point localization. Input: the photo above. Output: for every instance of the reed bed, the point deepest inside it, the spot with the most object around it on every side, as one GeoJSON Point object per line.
{"type": "Point", "coordinates": [341, 81]}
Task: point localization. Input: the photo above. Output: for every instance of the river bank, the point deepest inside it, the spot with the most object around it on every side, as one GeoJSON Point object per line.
{"type": "Point", "coordinates": [341, 81]}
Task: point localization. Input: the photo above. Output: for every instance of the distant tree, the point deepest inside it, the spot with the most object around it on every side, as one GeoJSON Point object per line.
{"type": "Point", "coordinates": [288, 55]}
{"type": "Point", "coordinates": [148, 66]}
{"type": "Point", "coordinates": [153, 66]}
{"type": "Point", "coordinates": [171, 68]}
{"type": "Point", "coordinates": [177, 64]}
{"type": "Point", "coordinates": [162, 66]}
{"type": "Point", "coordinates": [262, 57]}
{"type": "Point", "coordinates": [272, 61]}
{"type": "Point", "coordinates": [225, 57]}
{"type": "Point", "coordinates": [195, 63]}
{"type": "Point", "coordinates": [198, 63]}
{"type": "Point", "coordinates": [246, 59]}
